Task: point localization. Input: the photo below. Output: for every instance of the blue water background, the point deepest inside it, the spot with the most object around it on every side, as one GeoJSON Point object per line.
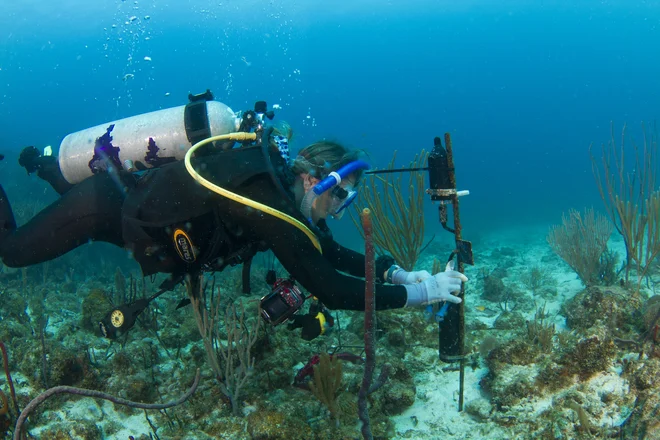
{"type": "Point", "coordinates": [523, 87]}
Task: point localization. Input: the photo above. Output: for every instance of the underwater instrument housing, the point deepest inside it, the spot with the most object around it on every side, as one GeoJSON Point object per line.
{"type": "Point", "coordinates": [450, 318]}
{"type": "Point", "coordinates": [146, 141]}
{"type": "Point", "coordinates": [442, 182]}
{"type": "Point", "coordinates": [442, 189]}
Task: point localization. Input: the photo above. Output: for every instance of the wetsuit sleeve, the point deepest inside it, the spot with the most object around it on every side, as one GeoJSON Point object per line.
{"type": "Point", "coordinates": [344, 259]}
{"type": "Point", "coordinates": [50, 172]}
{"type": "Point", "coordinates": [316, 272]}
{"type": "Point", "coordinates": [348, 260]}
{"type": "Point", "coordinates": [352, 262]}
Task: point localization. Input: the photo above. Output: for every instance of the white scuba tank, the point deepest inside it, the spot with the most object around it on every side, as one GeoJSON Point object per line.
{"type": "Point", "coordinates": [142, 141]}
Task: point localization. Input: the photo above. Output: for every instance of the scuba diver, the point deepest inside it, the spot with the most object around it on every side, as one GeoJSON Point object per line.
{"type": "Point", "coordinates": [172, 224]}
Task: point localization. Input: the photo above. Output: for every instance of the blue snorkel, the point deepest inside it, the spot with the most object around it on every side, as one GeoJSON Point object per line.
{"type": "Point", "coordinates": [333, 179]}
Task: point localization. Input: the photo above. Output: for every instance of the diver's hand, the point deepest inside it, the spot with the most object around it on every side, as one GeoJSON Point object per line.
{"type": "Point", "coordinates": [29, 159]}
{"type": "Point", "coordinates": [400, 276]}
{"type": "Point", "coordinates": [435, 289]}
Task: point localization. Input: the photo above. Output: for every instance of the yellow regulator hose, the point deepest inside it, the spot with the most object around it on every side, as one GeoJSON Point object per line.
{"type": "Point", "coordinates": [241, 137]}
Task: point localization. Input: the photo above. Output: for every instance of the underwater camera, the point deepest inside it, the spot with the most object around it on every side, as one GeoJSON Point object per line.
{"type": "Point", "coordinates": [284, 300]}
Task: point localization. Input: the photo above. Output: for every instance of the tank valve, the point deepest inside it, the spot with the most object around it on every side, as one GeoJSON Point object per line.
{"type": "Point", "coordinates": [128, 165]}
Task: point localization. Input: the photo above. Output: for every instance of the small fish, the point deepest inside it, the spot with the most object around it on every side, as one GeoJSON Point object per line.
{"type": "Point", "coordinates": [486, 311]}
{"type": "Point", "coordinates": [147, 58]}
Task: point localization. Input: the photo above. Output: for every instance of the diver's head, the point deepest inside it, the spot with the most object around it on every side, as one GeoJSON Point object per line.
{"type": "Point", "coordinates": [327, 175]}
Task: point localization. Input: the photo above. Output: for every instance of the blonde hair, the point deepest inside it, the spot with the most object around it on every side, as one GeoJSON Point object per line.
{"type": "Point", "coordinates": [320, 158]}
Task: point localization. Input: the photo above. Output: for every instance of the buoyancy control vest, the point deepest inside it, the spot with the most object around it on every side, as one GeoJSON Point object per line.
{"type": "Point", "coordinates": [173, 225]}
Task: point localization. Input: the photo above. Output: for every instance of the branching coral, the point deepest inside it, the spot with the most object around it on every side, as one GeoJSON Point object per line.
{"type": "Point", "coordinates": [237, 354]}
{"type": "Point", "coordinates": [541, 332]}
{"type": "Point", "coordinates": [327, 382]}
{"type": "Point", "coordinates": [631, 197]}
{"type": "Point", "coordinates": [538, 279]}
{"type": "Point", "coordinates": [398, 222]}
{"type": "Point", "coordinates": [580, 241]}
{"type": "Point", "coordinates": [237, 360]}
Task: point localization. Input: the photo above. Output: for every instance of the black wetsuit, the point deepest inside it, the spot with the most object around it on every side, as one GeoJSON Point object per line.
{"type": "Point", "coordinates": [144, 214]}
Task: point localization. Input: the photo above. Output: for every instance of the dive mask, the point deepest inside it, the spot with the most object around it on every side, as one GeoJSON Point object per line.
{"type": "Point", "coordinates": [341, 199]}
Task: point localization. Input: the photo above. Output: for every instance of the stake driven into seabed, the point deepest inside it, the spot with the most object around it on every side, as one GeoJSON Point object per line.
{"type": "Point", "coordinates": [442, 188]}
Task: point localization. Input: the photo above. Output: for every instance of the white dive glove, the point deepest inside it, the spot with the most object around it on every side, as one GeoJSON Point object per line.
{"type": "Point", "coordinates": [400, 276]}
{"type": "Point", "coordinates": [437, 288]}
